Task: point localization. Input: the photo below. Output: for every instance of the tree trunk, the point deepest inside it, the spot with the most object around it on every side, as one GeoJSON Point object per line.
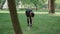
{"type": "Point", "coordinates": [35, 6]}
{"type": "Point", "coordinates": [14, 17]}
{"type": "Point", "coordinates": [51, 6]}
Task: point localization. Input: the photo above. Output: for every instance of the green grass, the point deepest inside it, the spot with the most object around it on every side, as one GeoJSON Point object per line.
{"type": "Point", "coordinates": [43, 24]}
{"type": "Point", "coordinates": [5, 24]}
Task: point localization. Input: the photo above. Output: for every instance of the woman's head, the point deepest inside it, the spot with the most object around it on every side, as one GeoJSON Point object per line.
{"type": "Point", "coordinates": [32, 14]}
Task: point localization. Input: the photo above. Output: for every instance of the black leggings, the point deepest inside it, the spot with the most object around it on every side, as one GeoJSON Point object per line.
{"type": "Point", "coordinates": [29, 21]}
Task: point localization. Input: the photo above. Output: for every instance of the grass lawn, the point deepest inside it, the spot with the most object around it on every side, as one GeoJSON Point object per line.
{"type": "Point", "coordinates": [43, 24]}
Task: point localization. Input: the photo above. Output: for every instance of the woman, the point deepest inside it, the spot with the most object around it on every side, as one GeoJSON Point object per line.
{"type": "Point", "coordinates": [30, 15]}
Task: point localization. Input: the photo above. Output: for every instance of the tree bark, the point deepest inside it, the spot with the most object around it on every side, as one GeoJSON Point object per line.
{"type": "Point", "coordinates": [51, 6]}
{"type": "Point", "coordinates": [14, 17]}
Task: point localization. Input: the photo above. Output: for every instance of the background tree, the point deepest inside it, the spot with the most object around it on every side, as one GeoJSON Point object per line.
{"type": "Point", "coordinates": [17, 2]}
{"type": "Point", "coordinates": [51, 4]}
{"type": "Point", "coordinates": [36, 3]}
{"type": "Point", "coordinates": [2, 2]}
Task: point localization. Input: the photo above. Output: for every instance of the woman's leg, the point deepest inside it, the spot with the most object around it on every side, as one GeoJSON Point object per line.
{"type": "Point", "coordinates": [28, 20]}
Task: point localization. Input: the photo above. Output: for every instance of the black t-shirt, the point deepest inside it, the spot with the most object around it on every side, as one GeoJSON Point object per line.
{"type": "Point", "coordinates": [28, 13]}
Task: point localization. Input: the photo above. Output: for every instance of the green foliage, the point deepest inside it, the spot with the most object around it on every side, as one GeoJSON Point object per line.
{"type": "Point", "coordinates": [26, 1]}
{"type": "Point", "coordinates": [38, 3]}
{"type": "Point", "coordinates": [0, 1]}
{"type": "Point", "coordinates": [17, 2]}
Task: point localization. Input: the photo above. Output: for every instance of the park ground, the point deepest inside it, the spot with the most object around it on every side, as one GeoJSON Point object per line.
{"type": "Point", "coordinates": [43, 23]}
